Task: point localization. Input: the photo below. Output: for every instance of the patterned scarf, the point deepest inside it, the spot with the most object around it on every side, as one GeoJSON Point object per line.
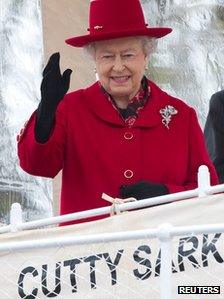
{"type": "Point", "coordinates": [131, 113]}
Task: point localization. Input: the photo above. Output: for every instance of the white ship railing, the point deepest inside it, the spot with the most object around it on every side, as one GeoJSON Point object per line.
{"type": "Point", "coordinates": [165, 232]}
{"type": "Point", "coordinates": [204, 188]}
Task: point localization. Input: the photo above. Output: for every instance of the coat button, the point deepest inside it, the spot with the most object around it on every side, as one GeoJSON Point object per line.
{"type": "Point", "coordinates": [128, 135]}
{"type": "Point", "coordinates": [128, 174]}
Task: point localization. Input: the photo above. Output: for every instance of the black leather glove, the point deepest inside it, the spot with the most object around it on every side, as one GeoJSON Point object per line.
{"type": "Point", "coordinates": [142, 190]}
{"type": "Point", "coordinates": [53, 88]}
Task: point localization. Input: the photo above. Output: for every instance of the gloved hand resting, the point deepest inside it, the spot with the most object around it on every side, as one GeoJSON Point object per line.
{"type": "Point", "coordinates": [53, 88]}
{"type": "Point", "coordinates": [143, 189]}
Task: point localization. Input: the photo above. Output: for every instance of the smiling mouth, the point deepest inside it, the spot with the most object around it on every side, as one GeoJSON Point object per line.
{"type": "Point", "coordinates": [121, 79]}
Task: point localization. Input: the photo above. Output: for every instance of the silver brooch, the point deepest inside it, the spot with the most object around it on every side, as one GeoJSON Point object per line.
{"type": "Point", "coordinates": [166, 113]}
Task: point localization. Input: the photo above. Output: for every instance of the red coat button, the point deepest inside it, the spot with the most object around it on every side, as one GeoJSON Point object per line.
{"type": "Point", "coordinates": [128, 174]}
{"type": "Point", "coordinates": [128, 135]}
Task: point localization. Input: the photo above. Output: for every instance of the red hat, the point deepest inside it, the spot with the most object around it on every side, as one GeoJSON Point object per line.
{"type": "Point", "coordinates": [110, 19]}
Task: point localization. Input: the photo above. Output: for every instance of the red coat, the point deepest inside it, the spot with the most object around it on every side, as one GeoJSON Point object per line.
{"type": "Point", "coordinates": [94, 148]}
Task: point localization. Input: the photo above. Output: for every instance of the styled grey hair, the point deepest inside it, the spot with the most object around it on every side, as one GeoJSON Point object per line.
{"type": "Point", "coordinates": [149, 45]}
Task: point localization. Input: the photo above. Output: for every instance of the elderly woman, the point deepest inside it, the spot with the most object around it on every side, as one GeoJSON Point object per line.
{"type": "Point", "coordinates": [123, 135]}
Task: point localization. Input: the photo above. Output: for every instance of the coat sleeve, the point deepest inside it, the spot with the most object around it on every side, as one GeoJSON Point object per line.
{"type": "Point", "coordinates": [214, 133]}
{"type": "Point", "coordinates": [43, 159]}
{"type": "Point", "coordinates": [198, 156]}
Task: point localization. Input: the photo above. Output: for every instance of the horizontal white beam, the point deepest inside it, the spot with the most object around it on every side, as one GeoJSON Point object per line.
{"type": "Point", "coordinates": [106, 210]}
{"type": "Point", "coordinates": [215, 189]}
{"type": "Point", "coordinates": [113, 237]}
{"type": "Point", "coordinates": [103, 211]}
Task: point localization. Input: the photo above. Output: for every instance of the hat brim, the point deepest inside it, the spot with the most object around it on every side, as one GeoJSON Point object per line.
{"type": "Point", "coordinates": [83, 40]}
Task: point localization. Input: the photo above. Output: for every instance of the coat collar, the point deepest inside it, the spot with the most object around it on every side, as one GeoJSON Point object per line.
{"type": "Point", "coordinates": [149, 116]}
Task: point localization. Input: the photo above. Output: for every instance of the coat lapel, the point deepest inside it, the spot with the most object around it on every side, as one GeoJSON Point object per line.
{"type": "Point", "coordinates": [149, 116]}
{"type": "Point", "coordinates": [97, 101]}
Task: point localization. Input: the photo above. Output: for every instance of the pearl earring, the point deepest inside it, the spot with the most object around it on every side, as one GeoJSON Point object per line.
{"type": "Point", "coordinates": [96, 74]}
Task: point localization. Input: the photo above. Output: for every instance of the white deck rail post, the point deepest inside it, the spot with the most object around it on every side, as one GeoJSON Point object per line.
{"type": "Point", "coordinates": [203, 180]}
{"type": "Point", "coordinates": [166, 260]}
{"type": "Point", "coordinates": [15, 216]}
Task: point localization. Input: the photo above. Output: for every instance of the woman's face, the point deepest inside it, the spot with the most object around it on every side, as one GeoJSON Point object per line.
{"type": "Point", "coordinates": [120, 64]}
